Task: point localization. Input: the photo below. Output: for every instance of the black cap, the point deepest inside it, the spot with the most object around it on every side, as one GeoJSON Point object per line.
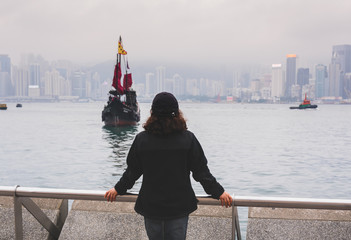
{"type": "Point", "coordinates": [165, 104]}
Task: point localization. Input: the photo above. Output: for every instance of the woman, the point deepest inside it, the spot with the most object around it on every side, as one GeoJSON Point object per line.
{"type": "Point", "coordinates": [165, 154]}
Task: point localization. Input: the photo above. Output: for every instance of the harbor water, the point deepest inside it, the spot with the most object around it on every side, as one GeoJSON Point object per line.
{"type": "Point", "coordinates": [252, 149]}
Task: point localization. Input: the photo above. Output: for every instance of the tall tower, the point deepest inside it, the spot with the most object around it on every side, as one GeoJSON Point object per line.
{"type": "Point", "coordinates": [34, 74]}
{"type": "Point", "coordinates": [278, 83]}
{"type": "Point", "coordinates": [339, 66]}
{"type": "Point", "coordinates": [5, 76]}
{"type": "Point", "coordinates": [150, 84]}
{"type": "Point", "coordinates": [290, 73]}
{"type": "Point", "coordinates": [160, 79]}
{"type": "Point", "coordinates": [303, 75]}
{"type": "Point", "coordinates": [21, 81]}
{"type": "Point", "coordinates": [321, 86]}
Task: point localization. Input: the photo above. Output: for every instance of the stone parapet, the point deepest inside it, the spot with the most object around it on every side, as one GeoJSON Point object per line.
{"type": "Point", "coordinates": [118, 220]}
{"type": "Point", "coordinates": [302, 224]}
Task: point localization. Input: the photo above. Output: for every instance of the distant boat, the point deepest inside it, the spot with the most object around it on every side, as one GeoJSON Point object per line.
{"type": "Point", "coordinates": [3, 106]}
{"type": "Point", "coordinates": [18, 105]}
{"type": "Point", "coordinates": [305, 104]}
{"type": "Point", "coordinates": [122, 107]}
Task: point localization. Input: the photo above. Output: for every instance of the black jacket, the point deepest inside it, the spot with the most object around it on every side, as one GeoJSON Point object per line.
{"type": "Point", "coordinates": [165, 163]}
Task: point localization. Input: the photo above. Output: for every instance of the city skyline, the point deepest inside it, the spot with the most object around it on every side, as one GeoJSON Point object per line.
{"type": "Point", "coordinates": [175, 31]}
{"type": "Point", "coordinates": [36, 77]}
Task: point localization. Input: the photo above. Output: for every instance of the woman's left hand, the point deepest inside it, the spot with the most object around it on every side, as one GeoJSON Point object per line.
{"type": "Point", "coordinates": [111, 195]}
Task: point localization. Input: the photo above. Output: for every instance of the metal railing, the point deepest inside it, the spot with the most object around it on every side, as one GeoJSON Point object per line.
{"type": "Point", "coordinates": [22, 196]}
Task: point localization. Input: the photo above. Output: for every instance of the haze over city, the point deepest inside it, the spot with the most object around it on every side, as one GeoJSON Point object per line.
{"type": "Point", "coordinates": [189, 32]}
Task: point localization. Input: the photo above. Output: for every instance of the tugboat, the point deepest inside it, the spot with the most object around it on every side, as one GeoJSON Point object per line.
{"type": "Point", "coordinates": [3, 106]}
{"type": "Point", "coordinates": [122, 108]}
{"type": "Point", "coordinates": [305, 104]}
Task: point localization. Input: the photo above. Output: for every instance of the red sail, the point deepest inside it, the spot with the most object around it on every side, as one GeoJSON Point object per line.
{"type": "Point", "coordinates": [116, 83]}
{"type": "Point", "coordinates": [127, 81]}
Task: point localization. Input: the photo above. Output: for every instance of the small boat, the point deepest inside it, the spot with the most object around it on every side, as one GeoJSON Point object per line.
{"type": "Point", "coordinates": [122, 108]}
{"type": "Point", "coordinates": [18, 105]}
{"type": "Point", "coordinates": [3, 106]}
{"type": "Point", "coordinates": [305, 104]}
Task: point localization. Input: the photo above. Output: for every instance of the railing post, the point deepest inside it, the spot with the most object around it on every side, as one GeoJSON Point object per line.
{"type": "Point", "coordinates": [235, 222]}
{"type": "Point", "coordinates": [18, 215]}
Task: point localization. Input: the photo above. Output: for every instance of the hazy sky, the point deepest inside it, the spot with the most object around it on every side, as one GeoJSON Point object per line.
{"type": "Point", "coordinates": [192, 31]}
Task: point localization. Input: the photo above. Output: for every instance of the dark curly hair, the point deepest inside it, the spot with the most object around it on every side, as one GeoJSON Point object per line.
{"type": "Point", "coordinates": [165, 125]}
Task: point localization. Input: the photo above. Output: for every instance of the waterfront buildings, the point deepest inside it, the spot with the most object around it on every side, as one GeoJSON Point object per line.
{"type": "Point", "coordinates": [35, 77]}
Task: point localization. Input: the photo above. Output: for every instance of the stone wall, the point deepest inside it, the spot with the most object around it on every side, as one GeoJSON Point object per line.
{"type": "Point", "coordinates": [302, 224]}
{"type": "Point", "coordinates": [118, 220]}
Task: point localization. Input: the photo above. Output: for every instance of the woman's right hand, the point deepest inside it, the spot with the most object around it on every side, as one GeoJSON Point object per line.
{"type": "Point", "coordinates": [226, 199]}
{"type": "Point", "coordinates": [111, 195]}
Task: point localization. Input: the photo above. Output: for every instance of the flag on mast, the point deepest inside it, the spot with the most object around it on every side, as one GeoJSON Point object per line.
{"type": "Point", "coordinates": [120, 48]}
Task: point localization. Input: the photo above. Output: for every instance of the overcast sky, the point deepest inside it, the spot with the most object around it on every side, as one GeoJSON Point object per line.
{"type": "Point", "coordinates": [189, 31]}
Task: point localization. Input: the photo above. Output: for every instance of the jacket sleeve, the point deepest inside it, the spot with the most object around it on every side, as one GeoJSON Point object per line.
{"type": "Point", "coordinates": [133, 171]}
{"type": "Point", "coordinates": [201, 172]}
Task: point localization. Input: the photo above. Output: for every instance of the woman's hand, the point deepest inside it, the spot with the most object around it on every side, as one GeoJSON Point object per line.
{"type": "Point", "coordinates": [226, 199]}
{"type": "Point", "coordinates": [111, 195]}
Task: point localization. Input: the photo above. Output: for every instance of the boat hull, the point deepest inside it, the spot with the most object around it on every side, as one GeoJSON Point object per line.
{"type": "Point", "coordinates": [117, 113]}
{"type": "Point", "coordinates": [304, 107]}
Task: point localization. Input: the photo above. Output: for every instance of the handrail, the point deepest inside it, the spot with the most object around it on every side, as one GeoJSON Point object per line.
{"type": "Point", "coordinates": [80, 194]}
{"type": "Point", "coordinates": [240, 201]}
{"type": "Point", "coordinates": [284, 202]}
{"type": "Point", "coordinates": [22, 196]}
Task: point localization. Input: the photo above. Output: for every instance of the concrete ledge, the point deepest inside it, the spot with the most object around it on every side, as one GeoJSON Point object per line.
{"type": "Point", "coordinates": [283, 223]}
{"type": "Point", "coordinates": [55, 209]}
{"type": "Point", "coordinates": [102, 220]}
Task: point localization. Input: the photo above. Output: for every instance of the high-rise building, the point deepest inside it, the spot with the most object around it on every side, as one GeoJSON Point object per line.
{"type": "Point", "coordinates": [290, 74]}
{"type": "Point", "coordinates": [179, 85]}
{"type": "Point", "coordinates": [21, 81]}
{"type": "Point", "coordinates": [303, 75]}
{"type": "Point", "coordinates": [321, 83]}
{"type": "Point", "coordinates": [150, 85]}
{"type": "Point", "coordinates": [339, 66]}
{"type": "Point", "coordinates": [5, 64]}
{"type": "Point", "coordinates": [160, 79]}
{"type": "Point", "coordinates": [5, 76]}
{"type": "Point", "coordinates": [79, 86]}
{"type": "Point", "coordinates": [34, 74]}
{"type": "Point", "coordinates": [278, 83]}
{"type": "Point", "coordinates": [347, 85]}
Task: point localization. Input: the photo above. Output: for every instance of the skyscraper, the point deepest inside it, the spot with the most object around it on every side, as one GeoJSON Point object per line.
{"type": "Point", "coordinates": [321, 84]}
{"type": "Point", "coordinates": [21, 81]}
{"type": "Point", "coordinates": [303, 75]}
{"type": "Point", "coordinates": [160, 78]}
{"type": "Point", "coordinates": [5, 76]}
{"type": "Point", "coordinates": [150, 84]}
{"type": "Point", "coordinates": [34, 74]}
{"type": "Point", "coordinates": [339, 66]}
{"type": "Point", "coordinates": [278, 83]}
{"type": "Point", "coordinates": [290, 73]}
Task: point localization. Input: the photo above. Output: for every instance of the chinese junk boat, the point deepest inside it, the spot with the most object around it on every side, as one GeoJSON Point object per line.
{"type": "Point", "coordinates": [305, 104]}
{"type": "Point", "coordinates": [122, 107]}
